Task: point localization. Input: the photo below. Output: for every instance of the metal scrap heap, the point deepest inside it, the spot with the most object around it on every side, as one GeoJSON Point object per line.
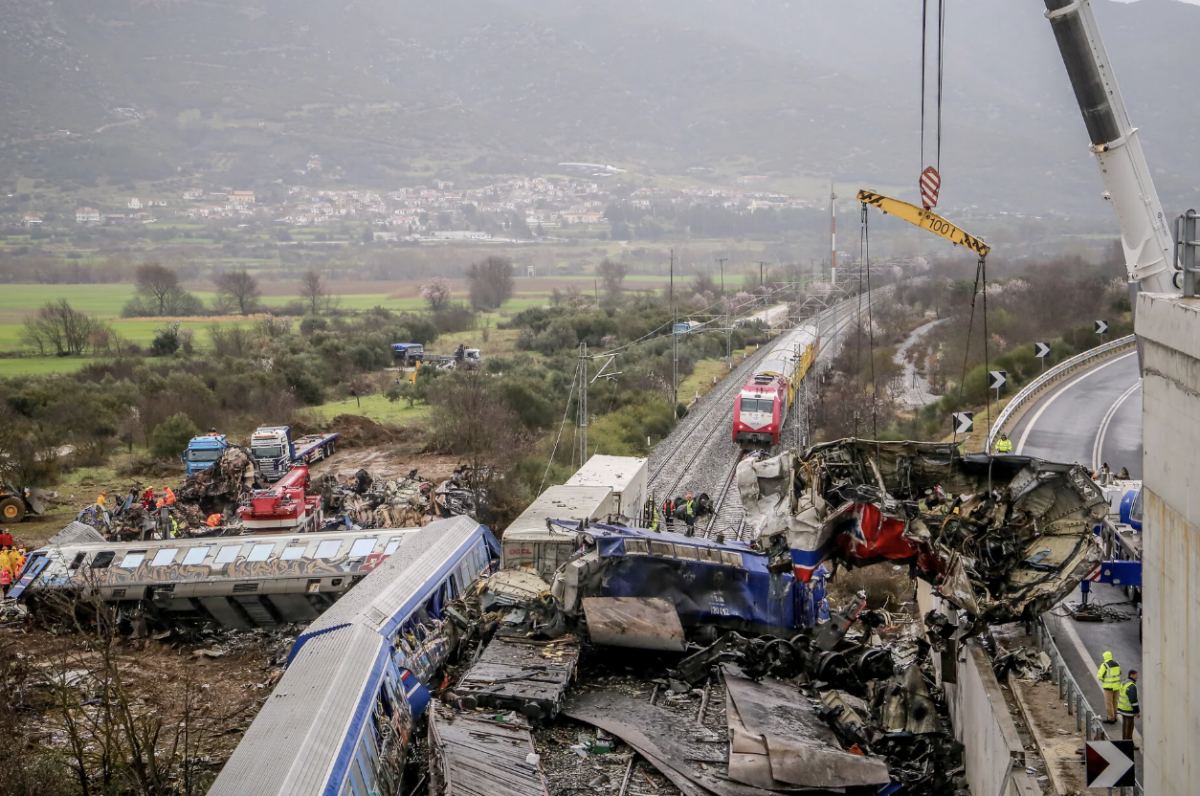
{"type": "Point", "coordinates": [1000, 537]}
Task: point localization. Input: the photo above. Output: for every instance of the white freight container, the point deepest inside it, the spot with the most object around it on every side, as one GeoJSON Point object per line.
{"type": "Point", "coordinates": [624, 475]}
{"type": "Point", "coordinates": [527, 542]}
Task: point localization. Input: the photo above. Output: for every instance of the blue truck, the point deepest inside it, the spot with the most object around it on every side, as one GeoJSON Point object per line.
{"type": "Point", "coordinates": [274, 449]}
{"type": "Point", "coordinates": [203, 452]}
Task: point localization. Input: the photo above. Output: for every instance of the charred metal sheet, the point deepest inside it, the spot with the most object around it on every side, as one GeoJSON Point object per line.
{"type": "Point", "coordinates": [472, 754]}
{"type": "Point", "coordinates": [778, 740]}
{"type": "Point", "coordinates": [522, 674]}
{"type": "Point", "coordinates": [642, 623]}
{"type": "Point", "coordinates": [697, 769]}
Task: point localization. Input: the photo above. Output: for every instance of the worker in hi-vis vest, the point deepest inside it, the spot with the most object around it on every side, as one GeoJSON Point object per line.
{"type": "Point", "coordinates": [1109, 675]}
{"type": "Point", "coordinates": [1128, 705]}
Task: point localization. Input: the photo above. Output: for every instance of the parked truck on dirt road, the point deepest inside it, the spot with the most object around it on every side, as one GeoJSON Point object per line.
{"type": "Point", "coordinates": [203, 452]}
{"type": "Point", "coordinates": [274, 450]}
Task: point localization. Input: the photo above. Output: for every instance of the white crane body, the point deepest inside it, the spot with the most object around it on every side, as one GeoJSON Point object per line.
{"type": "Point", "coordinates": [1145, 236]}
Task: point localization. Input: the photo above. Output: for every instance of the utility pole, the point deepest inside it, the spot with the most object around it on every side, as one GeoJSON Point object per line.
{"type": "Point", "coordinates": [832, 236]}
{"type": "Point", "coordinates": [725, 314]}
{"type": "Point", "coordinates": [674, 342]}
{"type": "Point", "coordinates": [582, 422]}
{"type": "Point", "coordinates": [761, 265]}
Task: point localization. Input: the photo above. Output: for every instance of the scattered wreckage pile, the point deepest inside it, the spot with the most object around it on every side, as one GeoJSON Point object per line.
{"type": "Point", "coordinates": [835, 709]}
{"type": "Point", "coordinates": [408, 502]}
{"type": "Point", "coordinates": [1001, 538]}
{"type": "Point", "coordinates": [207, 503]}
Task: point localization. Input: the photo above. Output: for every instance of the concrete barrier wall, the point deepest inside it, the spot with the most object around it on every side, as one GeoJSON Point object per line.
{"type": "Point", "coordinates": [1169, 330]}
{"type": "Point", "coordinates": [993, 754]}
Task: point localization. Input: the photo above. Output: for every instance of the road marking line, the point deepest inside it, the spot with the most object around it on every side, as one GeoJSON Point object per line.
{"type": "Point", "coordinates": [1046, 405]}
{"type": "Point", "coordinates": [1102, 433]}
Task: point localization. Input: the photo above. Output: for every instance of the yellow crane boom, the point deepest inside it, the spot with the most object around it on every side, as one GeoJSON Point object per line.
{"type": "Point", "coordinates": [925, 219]}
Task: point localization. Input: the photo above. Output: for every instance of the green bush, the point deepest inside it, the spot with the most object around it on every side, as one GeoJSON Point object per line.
{"type": "Point", "coordinates": [170, 437]}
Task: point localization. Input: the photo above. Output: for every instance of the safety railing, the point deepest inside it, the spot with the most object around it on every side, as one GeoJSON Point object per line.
{"type": "Point", "coordinates": [1052, 376]}
{"type": "Point", "coordinates": [1087, 721]}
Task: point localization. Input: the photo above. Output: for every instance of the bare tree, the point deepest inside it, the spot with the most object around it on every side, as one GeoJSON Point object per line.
{"type": "Point", "coordinates": [472, 421]}
{"type": "Point", "coordinates": [60, 329]}
{"type": "Point", "coordinates": [612, 275]}
{"type": "Point", "coordinates": [315, 291]}
{"type": "Point", "coordinates": [491, 282]}
{"type": "Point", "coordinates": [157, 282]}
{"type": "Point", "coordinates": [436, 293]}
{"type": "Point", "coordinates": [238, 288]}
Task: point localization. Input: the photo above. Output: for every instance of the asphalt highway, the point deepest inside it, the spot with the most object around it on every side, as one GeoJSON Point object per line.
{"type": "Point", "coordinates": [1091, 418]}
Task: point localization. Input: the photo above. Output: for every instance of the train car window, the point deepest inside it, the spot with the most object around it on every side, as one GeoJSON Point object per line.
{"type": "Point", "coordinates": [227, 553]}
{"type": "Point", "coordinates": [328, 548]}
{"type": "Point", "coordinates": [636, 547]}
{"type": "Point", "coordinates": [392, 546]}
{"type": "Point", "coordinates": [77, 561]}
{"type": "Point", "coordinates": [261, 552]}
{"type": "Point", "coordinates": [102, 560]}
{"type": "Point", "coordinates": [195, 555]}
{"type": "Point", "coordinates": [361, 548]}
{"type": "Point", "coordinates": [132, 559]}
{"type": "Point", "coordinates": [164, 557]}
{"type": "Point", "coordinates": [359, 787]}
{"type": "Point", "coordinates": [292, 553]}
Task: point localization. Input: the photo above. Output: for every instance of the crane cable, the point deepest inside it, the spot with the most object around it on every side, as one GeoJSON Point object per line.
{"type": "Point", "coordinates": [980, 282]}
{"type": "Point", "coordinates": [941, 40]}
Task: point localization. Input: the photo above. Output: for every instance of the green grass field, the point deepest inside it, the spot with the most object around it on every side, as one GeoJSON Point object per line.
{"type": "Point", "coordinates": [105, 301]}
{"type": "Point", "coordinates": [11, 367]}
{"type": "Point", "coordinates": [375, 407]}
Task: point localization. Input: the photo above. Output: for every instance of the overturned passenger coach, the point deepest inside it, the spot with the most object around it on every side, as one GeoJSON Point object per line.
{"type": "Point", "coordinates": [1001, 537]}
{"type": "Point", "coordinates": [340, 720]}
{"type": "Point", "coordinates": [255, 580]}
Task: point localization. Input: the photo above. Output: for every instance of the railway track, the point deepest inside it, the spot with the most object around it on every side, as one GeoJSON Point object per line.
{"type": "Point", "coordinates": [727, 521]}
{"type": "Point", "coordinates": [700, 454]}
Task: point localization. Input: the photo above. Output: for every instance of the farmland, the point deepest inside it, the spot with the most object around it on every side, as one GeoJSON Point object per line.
{"type": "Point", "coordinates": [105, 301]}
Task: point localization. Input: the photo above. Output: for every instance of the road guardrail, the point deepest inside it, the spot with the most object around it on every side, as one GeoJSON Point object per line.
{"type": "Point", "coordinates": [1035, 388]}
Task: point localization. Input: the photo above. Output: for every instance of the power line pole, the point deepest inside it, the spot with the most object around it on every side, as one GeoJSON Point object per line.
{"type": "Point", "coordinates": [725, 313]}
{"type": "Point", "coordinates": [674, 342]}
{"type": "Point", "coordinates": [761, 280]}
{"type": "Point", "coordinates": [582, 422]}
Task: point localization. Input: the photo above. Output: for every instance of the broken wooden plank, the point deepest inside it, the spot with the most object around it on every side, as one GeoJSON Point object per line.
{"type": "Point", "coordinates": [522, 674]}
{"type": "Point", "coordinates": [475, 754]}
{"type": "Point", "coordinates": [649, 623]}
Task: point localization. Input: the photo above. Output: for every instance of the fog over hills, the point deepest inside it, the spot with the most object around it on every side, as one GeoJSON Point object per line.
{"type": "Point", "coordinates": [243, 91]}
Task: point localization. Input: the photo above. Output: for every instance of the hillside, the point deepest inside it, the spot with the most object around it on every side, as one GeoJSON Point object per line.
{"type": "Point", "coordinates": [243, 91]}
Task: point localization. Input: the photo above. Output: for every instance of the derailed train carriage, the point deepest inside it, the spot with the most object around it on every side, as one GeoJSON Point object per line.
{"type": "Point", "coordinates": [240, 582]}
{"type": "Point", "coordinates": [760, 410]}
{"type": "Point", "coordinates": [340, 719]}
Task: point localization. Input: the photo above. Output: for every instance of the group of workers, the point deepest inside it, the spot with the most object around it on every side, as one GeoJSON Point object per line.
{"type": "Point", "coordinates": [12, 561]}
{"type": "Point", "coordinates": [157, 513]}
{"type": "Point", "coordinates": [686, 509]}
{"type": "Point", "coordinates": [1120, 697]}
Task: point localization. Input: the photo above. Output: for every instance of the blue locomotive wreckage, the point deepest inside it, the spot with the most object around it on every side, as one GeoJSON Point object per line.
{"type": "Point", "coordinates": [432, 636]}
